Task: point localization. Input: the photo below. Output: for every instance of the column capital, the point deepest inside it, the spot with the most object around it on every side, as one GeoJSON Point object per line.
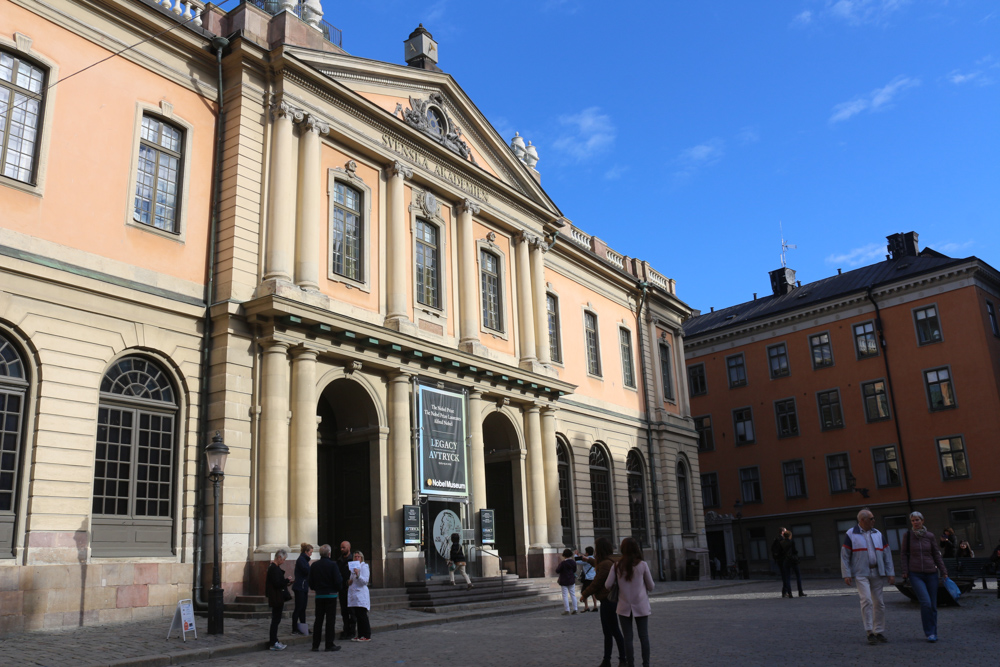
{"type": "Point", "coordinates": [305, 351]}
{"type": "Point", "coordinates": [275, 343]}
{"type": "Point", "coordinates": [400, 375]}
{"type": "Point", "coordinates": [283, 109]}
{"type": "Point", "coordinates": [549, 409]}
{"type": "Point", "coordinates": [470, 206]}
{"type": "Point", "coordinates": [532, 408]}
{"type": "Point", "coordinates": [311, 123]}
{"type": "Point", "coordinates": [475, 394]}
{"type": "Point", "coordinates": [524, 237]}
{"type": "Point", "coordinates": [538, 243]}
{"type": "Point", "coordinates": [400, 169]}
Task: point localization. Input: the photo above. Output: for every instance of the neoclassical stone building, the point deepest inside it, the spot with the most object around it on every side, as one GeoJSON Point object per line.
{"type": "Point", "coordinates": [349, 275]}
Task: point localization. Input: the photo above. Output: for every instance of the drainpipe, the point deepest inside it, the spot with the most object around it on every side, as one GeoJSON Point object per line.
{"type": "Point", "coordinates": [892, 395]}
{"type": "Point", "coordinates": [640, 330]}
{"type": "Point", "coordinates": [219, 44]}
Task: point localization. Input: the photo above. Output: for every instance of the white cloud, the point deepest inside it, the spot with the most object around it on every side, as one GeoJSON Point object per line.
{"type": "Point", "coordinates": [697, 157]}
{"type": "Point", "coordinates": [803, 19]}
{"type": "Point", "coordinates": [979, 77]}
{"type": "Point", "coordinates": [587, 134]}
{"type": "Point", "coordinates": [952, 248]}
{"type": "Point", "coordinates": [878, 99]}
{"type": "Point", "coordinates": [864, 12]}
{"type": "Point", "coordinates": [616, 172]}
{"type": "Point", "coordinates": [436, 12]}
{"type": "Point", "coordinates": [748, 135]}
{"type": "Point", "coordinates": [864, 255]}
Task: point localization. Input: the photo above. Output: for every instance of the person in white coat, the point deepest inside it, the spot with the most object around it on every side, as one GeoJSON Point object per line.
{"type": "Point", "coordinates": [358, 598]}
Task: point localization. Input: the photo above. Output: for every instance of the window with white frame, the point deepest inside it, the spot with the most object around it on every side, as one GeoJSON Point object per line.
{"type": "Point", "coordinates": [886, 466]}
{"type": "Point", "coordinates": [865, 342]}
{"type": "Point", "coordinates": [158, 181]}
{"type": "Point", "coordinates": [777, 360]}
{"type": "Point", "coordinates": [940, 393]}
{"type": "Point", "coordinates": [951, 454]}
{"type": "Point", "coordinates": [428, 261]}
{"type": "Point", "coordinates": [346, 233]}
{"type": "Point", "coordinates": [737, 370]}
{"type": "Point", "coordinates": [822, 351]}
{"type": "Point", "coordinates": [552, 312]}
{"type": "Point", "coordinates": [628, 368]}
{"type": "Point", "coordinates": [592, 342]}
{"type": "Point", "coordinates": [489, 270]}
{"type": "Point", "coordinates": [666, 375]}
{"type": "Point", "coordinates": [876, 400]}
{"type": "Point", "coordinates": [22, 92]}
{"type": "Point", "coordinates": [928, 325]}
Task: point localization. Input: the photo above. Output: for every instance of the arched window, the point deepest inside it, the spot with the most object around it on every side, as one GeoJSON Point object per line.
{"type": "Point", "coordinates": [565, 500]}
{"type": "Point", "coordinates": [13, 385]}
{"type": "Point", "coordinates": [683, 498]}
{"type": "Point", "coordinates": [637, 497]}
{"type": "Point", "coordinates": [600, 493]}
{"type": "Point", "coordinates": [134, 463]}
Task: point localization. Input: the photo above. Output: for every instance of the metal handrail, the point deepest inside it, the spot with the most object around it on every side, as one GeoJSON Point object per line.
{"type": "Point", "coordinates": [499, 558]}
{"type": "Point", "coordinates": [331, 33]}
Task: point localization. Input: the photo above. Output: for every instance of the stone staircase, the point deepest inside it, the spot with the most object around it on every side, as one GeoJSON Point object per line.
{"type": "Point", "coordinates": [255, 606]}
{"type": "Point", "coordinates": [437, 595]}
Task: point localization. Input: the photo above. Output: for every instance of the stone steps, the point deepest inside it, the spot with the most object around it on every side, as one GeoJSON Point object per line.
{"type": "Point", "coordinates": [438, 595]}
{"type": "Point", "coordinates": [255, 606]}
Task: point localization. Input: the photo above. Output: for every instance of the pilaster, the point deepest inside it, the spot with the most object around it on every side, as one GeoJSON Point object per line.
{"type": "Point", "coordinates": [272, 501]}
{"type": "Point", "coordinates": [281, 214]}
{"type": "Point", "coordinates": [307, 233]}
{"type": "Point", "coordinates": [525, 309]}
{"type": "Point", "coordinates": [539, 533]}
{"type": "Point", "coordinates": [398, 266]}
{"type": "Point", "coordinates": [304, 480]}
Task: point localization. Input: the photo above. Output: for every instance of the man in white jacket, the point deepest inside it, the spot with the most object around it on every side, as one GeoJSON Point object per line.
{"type": "Point", "coordinates": [864, 560]}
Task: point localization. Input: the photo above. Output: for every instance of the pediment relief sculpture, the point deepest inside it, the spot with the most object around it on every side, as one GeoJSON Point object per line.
{"type": "Point", "coordinates": [430, 117]}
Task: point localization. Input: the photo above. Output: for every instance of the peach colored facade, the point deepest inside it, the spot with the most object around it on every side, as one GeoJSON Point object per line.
{"type": "Point", "coordinates": [918, 469]}
{"type": "Point", "coordinates": [360, 259]}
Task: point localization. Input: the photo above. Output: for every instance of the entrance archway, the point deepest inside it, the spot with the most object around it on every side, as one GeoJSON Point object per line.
{"type": "Point", "coordinates": [348, 433]}
{"type": "Point", "coordinates": [504, 490]}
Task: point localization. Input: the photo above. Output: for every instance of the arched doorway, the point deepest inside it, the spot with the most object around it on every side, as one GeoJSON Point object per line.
{"type": "Point", "coordinates": [503, 490]}
{"type": "Point", "coordinates": [565, 493]}
{"type": "Point", "coordinates": [600, 494]}
{"type": "Point", "coordinates": [13, 392]}
{"type": "Point", "coordinates": [348, 434]}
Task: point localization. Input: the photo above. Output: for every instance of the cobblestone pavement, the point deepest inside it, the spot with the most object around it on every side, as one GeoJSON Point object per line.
{"type": "Point", "coordinates": [145, 644]}
{"type": "Point", "coordinates": [744, 627]}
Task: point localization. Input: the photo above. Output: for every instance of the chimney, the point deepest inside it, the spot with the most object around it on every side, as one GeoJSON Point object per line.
{"type": "Point", "coordinates": [903, 245]}
{"type": "Point", "coordinates": [420, 50]}
{"type": "Point", "coordinates": [782, 281]}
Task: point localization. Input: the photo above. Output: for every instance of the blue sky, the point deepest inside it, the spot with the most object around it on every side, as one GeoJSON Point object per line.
{"type": "Point", "coordinates": [683, 133]}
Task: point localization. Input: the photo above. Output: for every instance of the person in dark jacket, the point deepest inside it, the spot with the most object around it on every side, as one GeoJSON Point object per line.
{"type": "Point", "coordinates": [777, 556]}
{"type": "Point", "coordinates": [566, 570]}
{"type": "Point", "coordinates": [274, 588]}
{"type": "Point", "coordinates": [346, 615]}
{"type": "Point", "coordinates": [456, 562]}
{"type": "Point", "coordinates": [948, 543]}
{"type": "Point", "coordinates": [789, 563]}
{"type": "Point", "coordinates": [301, 587]}
{"type": "Point", "coordinates": [325, 579]}
{"type": "Point", "coordinates": [609, 617]}
{"type": "Point", "coordinates": [922, 565]}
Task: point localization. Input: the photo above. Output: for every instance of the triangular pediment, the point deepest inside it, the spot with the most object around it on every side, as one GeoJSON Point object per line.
{"type": "Point", "coordinates": [432, 105]}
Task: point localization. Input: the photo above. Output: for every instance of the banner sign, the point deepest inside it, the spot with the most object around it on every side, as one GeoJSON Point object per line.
{"type": "Point", "coordinates": [486, 526]}
{"type": "Point", "coordinates": [443, 470]}
{"type": "Point", "coordinates": [411, 524]}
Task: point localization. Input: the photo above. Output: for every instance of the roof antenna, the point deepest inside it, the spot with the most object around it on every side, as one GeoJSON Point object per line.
{"type": "Point", "coordinates": [784, 246]}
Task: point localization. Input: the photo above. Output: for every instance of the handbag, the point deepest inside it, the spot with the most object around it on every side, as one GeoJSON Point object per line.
{"type": "Point", "coordinates": [613, 593]}
{"type": "Point", "coordinates": [952, 588]}
{"type": "Point", "coordinates": [286, 595]}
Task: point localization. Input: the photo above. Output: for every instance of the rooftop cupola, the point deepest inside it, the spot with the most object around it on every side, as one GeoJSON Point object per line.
{"type": "Point", "coordinates": [903, 245]}
{"type": "Point", "coordinates": [420, 50]}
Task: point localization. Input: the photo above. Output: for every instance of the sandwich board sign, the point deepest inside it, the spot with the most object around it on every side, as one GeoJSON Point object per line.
{"type": "Point", "coordinates": [183, 620]}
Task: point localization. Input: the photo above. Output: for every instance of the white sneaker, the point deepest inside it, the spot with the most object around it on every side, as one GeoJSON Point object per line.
{"type": "Point", "coordinates": [278, 646]}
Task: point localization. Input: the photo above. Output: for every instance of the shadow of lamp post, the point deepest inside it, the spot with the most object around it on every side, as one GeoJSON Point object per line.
{"type": "Point", "coordinates": [741, 563]}
{"type": "Point", "coordinates": [216, 453]}
{"type": "Point", "coordinates": [852, 483]}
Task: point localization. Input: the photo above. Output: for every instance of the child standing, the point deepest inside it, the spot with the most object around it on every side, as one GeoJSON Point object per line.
{"type": "Point", "coordinates": [567, 580]}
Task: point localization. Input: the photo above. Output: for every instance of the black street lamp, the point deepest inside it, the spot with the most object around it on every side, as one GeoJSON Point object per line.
{"type": "Point", "coordinates": [741, 562]}
{"type": "Point", "coordinates": [216, 453]}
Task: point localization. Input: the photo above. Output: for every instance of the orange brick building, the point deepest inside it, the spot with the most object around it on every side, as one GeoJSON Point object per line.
{"type": "Point", "coordinates": [877, 387]}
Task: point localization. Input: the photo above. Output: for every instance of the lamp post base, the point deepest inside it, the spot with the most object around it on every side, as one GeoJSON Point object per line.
{"type": "Point", "coordinates": [216, 607]}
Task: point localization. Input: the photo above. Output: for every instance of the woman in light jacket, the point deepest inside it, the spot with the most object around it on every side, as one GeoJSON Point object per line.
{"type": "Point", "coordinates": [634, 583]}
{"type": "Point", "coordinates": [301, 587]}
{"type": "Point", "coordinates": [922, 565]}
{"type": "Point", "coordinates": [358, 598]}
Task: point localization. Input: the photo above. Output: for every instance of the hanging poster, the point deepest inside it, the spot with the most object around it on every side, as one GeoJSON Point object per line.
{"type": "Point", "coordinates": [443, 469]}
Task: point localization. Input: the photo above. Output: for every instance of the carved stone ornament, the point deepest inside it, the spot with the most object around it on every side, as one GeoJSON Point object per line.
{"type": "Point", "coordinates": [491, 237]}
{"type": "Point", "coordinates": [314, 124]}
{"type": "Point", "coordinates": [430, 117]}
{"type": "Point", "coordinates": [470, 206]}
{"type": "Point", "coordinates": [428, 204]}
{"type": "Point", "coordinates": [286, 110]}
{"type": "Point", "coordinates": [400, 169]}
{"type": "Point", "coordinates": [351, 366]}
{"type": "Point", "coordinates": [352, 168]}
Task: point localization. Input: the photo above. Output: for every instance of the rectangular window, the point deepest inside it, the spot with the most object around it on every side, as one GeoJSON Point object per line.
{"type": "Point", "coordinates": [750, 484]}
{"type": "Point", "coordinates": [710, 490]}
{"type": "Point", "coordinates": [22, 88]}
{"type": "Point", "coordinates": [864, 340]}
{"type": "Point", "coordinates": [822, 353]}
{"type": "Point", "coordinates": [777, 360]}
{"type": "Point", "coordinates": [838, 467]}
{"type": "Point", "coordinates": [876, 401]}
{"type": "Point", "coordinates": [966, 526]}
{"type": "Point", "coordinates": [346, 233]}
{"type": "Point", "coordinates": [895, 528]}
{"type": "Point", "coordinates": [928, 326]}
{"type": "Point", "coordinates": [703, 425]}
{"type": "Point", "coordinates": [737, 370]}
{"type": "Point", "coordinates": [886, 466]}
{"type": "Point", "coordinates": [951, 452]}
{"type": "Point", "coordinates": [157, 185]}
{"type": "Point", "coordinates": [830, 416]}
{"type": "Point", "coordinates": [802, 536]}
{"type": "Point", "coordinates": [758, 544]}
{"type": "Point", "coordinates": [593, 344]}
{"type": "Point", "coordinates": [665, 373]}
{"type": "Point", "coordinates": [697, 385]}
{"type": "Point", "coordinates": [489, 269]}
{"type": "Point", "coordinates": [784, 413]}
{"type": "Point", "coordinates": [552, 310]}
{"type": "Point", "coordinates": [991, 312]}
{"type": "Point", "coordinates": [743, 423]}
{"type": "Point", "coordinates": [795, 479]}
{"type": "Point", "coordinates": [939, 390]}
{"type": "Point", "coordinates": [428, 259]}
{"type": "Point", "coordinates": [628, 369]}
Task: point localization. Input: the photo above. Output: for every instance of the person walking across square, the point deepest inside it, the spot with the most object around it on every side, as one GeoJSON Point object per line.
{"type": "Point", "coordinates": [865, 561]}
{"type": "Point", "coordinates": [921, 563]}
{"type": "Point", "coordinates": [324, 578]}
{"type": "Point", "coordinates": [566, 570]}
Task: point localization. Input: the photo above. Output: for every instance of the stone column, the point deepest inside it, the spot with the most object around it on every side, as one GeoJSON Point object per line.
{"type": "Point", "coordinates": [400, 456]}
{"type": "Point", "coordinates": [398, 266]}
{"type": "Point", "coordinates": [303, 480]}
{"type": "Point", "coordinates": [468, 285]}
{"type": "Point", "coordinates": [525, 310]}
{"type": "Point", "coordinates": [553, 511]}
{"type": "Point", "coordinates": [538, 250]}
{"type": "Point", "coordinates": [477, 454]}
{"type": "Point", "coordinates": [680, 371]}
{"type": "Point", "coordinates": [307, 249]}
{"type": "Point", "coordinates": [281, 193]}
{"type": "Point", "coordinates": [272, 498]}
{"type": "Point", "coordinates": [539, 533]}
